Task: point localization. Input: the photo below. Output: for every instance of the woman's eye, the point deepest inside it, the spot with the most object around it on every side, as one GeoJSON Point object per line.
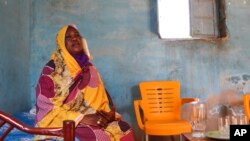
{"type": "Point", "coordinates": [67, 38]}
{"type": "Point", "coordinates": [77, 36]}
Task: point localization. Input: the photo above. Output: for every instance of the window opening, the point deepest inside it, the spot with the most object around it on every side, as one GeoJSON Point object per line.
{"type": "Point", "coordinates": [191, 19]}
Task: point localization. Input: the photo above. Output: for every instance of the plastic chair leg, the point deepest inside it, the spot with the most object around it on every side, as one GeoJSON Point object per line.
{"type": "Point", "coordinates": [146, 137]}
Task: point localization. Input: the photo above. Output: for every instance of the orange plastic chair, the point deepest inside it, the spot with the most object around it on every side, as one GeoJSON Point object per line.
{"type": "Point", "coordinates": [246, 103]}
{"type": "Point", "coordinates": [159, 110]}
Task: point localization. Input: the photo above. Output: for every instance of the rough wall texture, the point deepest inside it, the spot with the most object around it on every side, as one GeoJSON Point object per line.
{"type": "Point", "coordinates": [14, 56]}
{"type": "Point", "coordinates": [122, 36]}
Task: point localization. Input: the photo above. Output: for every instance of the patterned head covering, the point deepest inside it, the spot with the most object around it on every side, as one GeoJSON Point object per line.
{"type": "Point", "coordinates": [71, 62]}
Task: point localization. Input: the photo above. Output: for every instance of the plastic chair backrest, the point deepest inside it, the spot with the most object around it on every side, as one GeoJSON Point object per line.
{"type": "Point", "coordinates": [161, 100]}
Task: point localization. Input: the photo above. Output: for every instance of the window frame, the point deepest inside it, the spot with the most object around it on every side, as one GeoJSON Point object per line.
{"type": "Point", "coordinates": [208, 21]}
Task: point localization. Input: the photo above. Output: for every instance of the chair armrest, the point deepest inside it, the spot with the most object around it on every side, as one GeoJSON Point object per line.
{"type": "Point", "coordinates": [67, 131]}
{"type": "Point", "coordinates": [138, 114]}
{"type": "Point", "coordinates": [188, 100]}
{"type": "Point", "coordinates": [246, 103]}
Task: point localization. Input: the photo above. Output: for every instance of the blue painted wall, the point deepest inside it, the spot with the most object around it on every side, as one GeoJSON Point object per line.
{"type": "Point", "coordinates": [122, 37]}
{"type": "Point", "coordinates": [14, 56]}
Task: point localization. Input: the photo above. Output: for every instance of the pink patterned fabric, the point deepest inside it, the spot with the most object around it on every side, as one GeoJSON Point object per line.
{"type": "Point", "coordinates": [46, 86]}
{"type": "Point", "coordinates": [127, 137]}
{"type": "Point", "coordinates": [45, 91]}
{"type": "Point", "coordinates": [71, 96]}
{"type": "Point", "coordinates": [44, 107]}
{"type": "Point", "coordinates": [94, 77]}
{"type": "Point", "coordinates": [85, 133]}
{"type": "Point", "coordinates": [86, 77]}
{"type": "Point", "coordinates": [100, 134]}
{"type": "Point", "coordinates": [91, 133]}
{"type": "Point", "coordinates": [47, 70]}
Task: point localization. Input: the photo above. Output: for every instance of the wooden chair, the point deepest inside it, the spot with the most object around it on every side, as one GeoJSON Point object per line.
{"type": "Point", "coordinates": [67, 131]}
{"type": "Point", "coordinates": [159, 111]}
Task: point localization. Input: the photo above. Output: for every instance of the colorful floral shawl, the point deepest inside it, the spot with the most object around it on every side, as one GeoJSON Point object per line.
{"type": "Point", "coordinates": [66, 91]}
{"type": "Point", "coordinates": [57, 100]}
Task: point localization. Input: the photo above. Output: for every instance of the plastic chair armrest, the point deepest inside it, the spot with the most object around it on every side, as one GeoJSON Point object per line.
{"type": "Point", "coordinates": [138, 114]}
{"type": "Point", "coordinates": [246, 102]}
{"type": "Point", "coordinates": [188, 100]}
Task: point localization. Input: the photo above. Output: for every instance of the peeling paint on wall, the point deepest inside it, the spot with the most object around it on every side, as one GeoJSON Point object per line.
{"type": "Point", "coordinates": [240, 82]}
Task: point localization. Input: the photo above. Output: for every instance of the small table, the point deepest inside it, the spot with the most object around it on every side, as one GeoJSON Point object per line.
{"type": "Point", "coordinates": [188, 137]}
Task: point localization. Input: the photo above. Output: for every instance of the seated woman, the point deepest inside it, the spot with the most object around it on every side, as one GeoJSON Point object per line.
{"type": "Point", "coordinates": [70, 88]}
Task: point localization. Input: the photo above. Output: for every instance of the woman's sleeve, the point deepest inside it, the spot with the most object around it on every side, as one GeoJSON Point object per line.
{"type": "Point", "coordinates": [50, 110]}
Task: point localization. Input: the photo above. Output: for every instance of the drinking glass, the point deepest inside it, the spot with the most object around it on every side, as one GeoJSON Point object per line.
{"type": "Point", "coordinates": [243, 120]}
{"type": "Point", "coordinates": [224, 126]}
{"type": "Point", "coordinates": [225, 122]}
{"type": "Point", "coordinates": [198, 119]}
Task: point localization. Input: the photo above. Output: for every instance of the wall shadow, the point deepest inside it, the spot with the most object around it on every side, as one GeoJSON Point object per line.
{"type": "Point", "coordinates": [153, 16]}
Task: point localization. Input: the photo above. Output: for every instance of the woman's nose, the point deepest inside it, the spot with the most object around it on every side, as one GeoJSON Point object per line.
{"type": "Point", "coordinates": [74, 38]}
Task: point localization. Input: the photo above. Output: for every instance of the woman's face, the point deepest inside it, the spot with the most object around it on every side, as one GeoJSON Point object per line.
{"type": "Point", "coordinates": [73, 41]}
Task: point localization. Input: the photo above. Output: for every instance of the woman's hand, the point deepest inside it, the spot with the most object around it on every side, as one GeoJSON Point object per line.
{"type": "Point", "coordinates": [101, 118]}
{"type": "Point", "coordinates": [95, 120]}
{"type": "Point", "coordinates": [109, 116]}
{"type": "Point", "coordinates": [118, 116]}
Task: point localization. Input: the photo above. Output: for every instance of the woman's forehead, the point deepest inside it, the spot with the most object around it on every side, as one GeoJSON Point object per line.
{"type": "Point", "coordinates": [71, 29]}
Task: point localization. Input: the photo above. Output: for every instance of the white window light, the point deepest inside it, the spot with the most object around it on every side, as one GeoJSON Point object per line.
{"type": "Point", "coordinates": [173, 19]}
